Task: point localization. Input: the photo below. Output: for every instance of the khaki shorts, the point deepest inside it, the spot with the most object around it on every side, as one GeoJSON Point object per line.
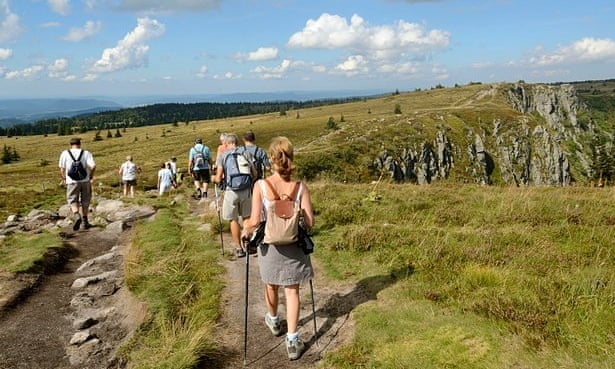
{"type": "Point", "coordinates": [236, 204]}
{"type": "Point", "coordinates": [79, 193]}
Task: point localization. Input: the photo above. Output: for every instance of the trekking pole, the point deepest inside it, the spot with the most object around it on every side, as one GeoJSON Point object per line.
{"type": "Point", "coordinates": [219, 219]}
{"type": "Point", "coordinates": [245, 318]}
{"type": "Point", "coordinates": [314, 312]}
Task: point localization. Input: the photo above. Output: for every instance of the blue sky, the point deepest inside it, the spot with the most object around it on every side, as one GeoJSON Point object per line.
{"type": "Point", "coordinates": [84, 48]}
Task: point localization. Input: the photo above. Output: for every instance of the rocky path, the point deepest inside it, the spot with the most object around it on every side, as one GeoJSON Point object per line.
{"type": "Point", "coordinates": [80, 312]}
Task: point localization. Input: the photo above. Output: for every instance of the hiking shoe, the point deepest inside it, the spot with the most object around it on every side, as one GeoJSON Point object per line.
{"type": "Point", "coordinates": [199, 193]}
{"type": "Point", "coordinates": [274, 326]}
{"type": "Point", "coordinates": [239, 252]}
{"type": "Point", "coordinates": [77, 224]}
{"type": "Point", "coordinates": [294, 348]}
{"type": "Point", "coordinates": [87, 225]}
{"type": "Point", "coordinates": [205, 194]}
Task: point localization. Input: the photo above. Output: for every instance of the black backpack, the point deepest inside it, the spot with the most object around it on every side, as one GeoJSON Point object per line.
{"type": "Point", "coordinates": [77, 171]}
{"type": "Point", "coordinates": [257, 160]}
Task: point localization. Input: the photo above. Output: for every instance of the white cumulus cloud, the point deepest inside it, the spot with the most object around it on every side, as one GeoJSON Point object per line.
{"type": "Point", "coordinates": [89, 29]}
{"type": "Point", "coordinates": [276, 72]}
{"type": "Point", "coordinates": [376, 42]}
{"type": "Point", "coordinates": [227, 75]}
{"type": "Point", "coordinates": [355, 64]}
{"type": "Point", "coordinates": [585, 50]}
{"type": "Point", "coordinates": [90, 77]}
{"type": "Point", "coordinates": [61, 7]}
{"type": "Point", "coordinates": [10, 27]}
{"type": "Point", "coordinates": [59, 69]}
{"type": "Point", "coordinates": [131, 51]}
{"type": "Point", "coordinates": [263, 53]}
{"type": "Point", "coordinates": [26, 73]}
{"type": "Point", "coordinates": [5, 53]}
{"type": "Point", "coordinates": [202, 71]}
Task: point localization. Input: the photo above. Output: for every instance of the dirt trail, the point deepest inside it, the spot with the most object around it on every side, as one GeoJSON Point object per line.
{"type": "Point", "coordinates": [35, 332]}
{"type": "Point", "coordinates": [333, 304]}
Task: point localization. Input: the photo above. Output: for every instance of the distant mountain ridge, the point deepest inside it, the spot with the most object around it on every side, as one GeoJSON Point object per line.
{"type": "Point", "coordinates": [18, 111]}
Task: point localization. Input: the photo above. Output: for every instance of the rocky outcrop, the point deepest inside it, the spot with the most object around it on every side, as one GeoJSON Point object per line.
{"type": "Point", "coordinates": [432, 161]}
{"type": "Point", "coordinates": [531, 150]}
{"type": "Point", "coordinates": [558, 105]}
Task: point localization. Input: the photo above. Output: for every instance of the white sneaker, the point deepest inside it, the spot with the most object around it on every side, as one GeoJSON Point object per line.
{"type": "Point", "coordinates": [274, 326]}
{"type": "Point", "coordinates": [294, 348]}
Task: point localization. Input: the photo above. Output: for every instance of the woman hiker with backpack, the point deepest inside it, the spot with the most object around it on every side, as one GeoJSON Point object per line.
{"type": "Point", "coordinates": [284, 265]}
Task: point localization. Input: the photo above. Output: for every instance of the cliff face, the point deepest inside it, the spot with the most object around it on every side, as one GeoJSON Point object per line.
{"type": "Point", "coordinates": [533, 148]}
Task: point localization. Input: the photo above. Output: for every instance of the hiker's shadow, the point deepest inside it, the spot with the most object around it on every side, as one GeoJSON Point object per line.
{"type": "Point", "coordinates": [339, 306]}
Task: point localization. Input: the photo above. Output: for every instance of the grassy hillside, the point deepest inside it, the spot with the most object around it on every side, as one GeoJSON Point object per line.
{"type": "Point", "coordinates": [335, 142]}
{"type": "Point", "coordinates": [450, 275]}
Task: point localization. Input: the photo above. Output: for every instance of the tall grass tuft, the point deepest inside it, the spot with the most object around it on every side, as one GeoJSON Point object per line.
{"type": "Point", "coordinates": [175, 269]}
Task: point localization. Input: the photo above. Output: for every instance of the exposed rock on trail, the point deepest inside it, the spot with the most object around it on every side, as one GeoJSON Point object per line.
{"type": "Point", "coordinates": [74, 312]}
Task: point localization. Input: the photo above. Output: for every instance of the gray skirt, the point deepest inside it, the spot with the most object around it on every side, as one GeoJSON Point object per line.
{"type": "Point", "coordinates": [284, 265]}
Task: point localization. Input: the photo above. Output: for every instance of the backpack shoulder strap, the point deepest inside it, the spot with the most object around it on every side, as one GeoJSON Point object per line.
{"type": "Point", "coordinates": [72, 157]}
{"type": "Point", "coordinates": [273, 191]}
{"type": "Point", "coordinates": [293, 195]}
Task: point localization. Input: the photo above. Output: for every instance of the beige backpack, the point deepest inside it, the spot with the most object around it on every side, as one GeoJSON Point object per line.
{"type": "Point", "coordinates": [283, 215]}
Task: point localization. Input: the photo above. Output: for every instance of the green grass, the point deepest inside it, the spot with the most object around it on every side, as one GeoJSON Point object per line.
{"type": "Point", "coordinates": [22, 253]}
{"type": "Point", "coordinates": [476, 269]}
{"type": "Point", "coordinates": [175, 269]}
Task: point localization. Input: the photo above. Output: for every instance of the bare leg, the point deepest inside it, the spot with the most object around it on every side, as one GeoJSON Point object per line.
{"type": "Point", "coordinates": [271, 299]}
{"type": "Point", "coordinates": [292, 307]}
{"type": "Point", "coordinates": [236, 232]}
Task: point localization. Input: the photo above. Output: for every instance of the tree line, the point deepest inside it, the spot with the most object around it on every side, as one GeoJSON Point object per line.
{"type": "Point", "coordinates": [159, 114]}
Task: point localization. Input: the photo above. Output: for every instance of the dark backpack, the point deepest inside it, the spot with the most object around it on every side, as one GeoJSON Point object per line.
{"type": "Point", "coordinates": [237, 170]}
{"type": "Point", "coordinates": [77, 171]}
{"type": "Point", "coordinates": [199, 159]}
{"type": "Point", "coordinates": [257, 160]}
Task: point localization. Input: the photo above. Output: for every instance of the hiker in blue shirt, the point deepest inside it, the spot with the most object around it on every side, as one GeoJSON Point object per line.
{"type": "Point", "coordinates": [261, 160]}
{"type": "Point", "coordinates": [199, 162]}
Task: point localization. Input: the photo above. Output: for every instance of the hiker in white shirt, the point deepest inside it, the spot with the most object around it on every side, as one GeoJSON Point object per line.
{"type": "Point", "coordinates": [128, 171]}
